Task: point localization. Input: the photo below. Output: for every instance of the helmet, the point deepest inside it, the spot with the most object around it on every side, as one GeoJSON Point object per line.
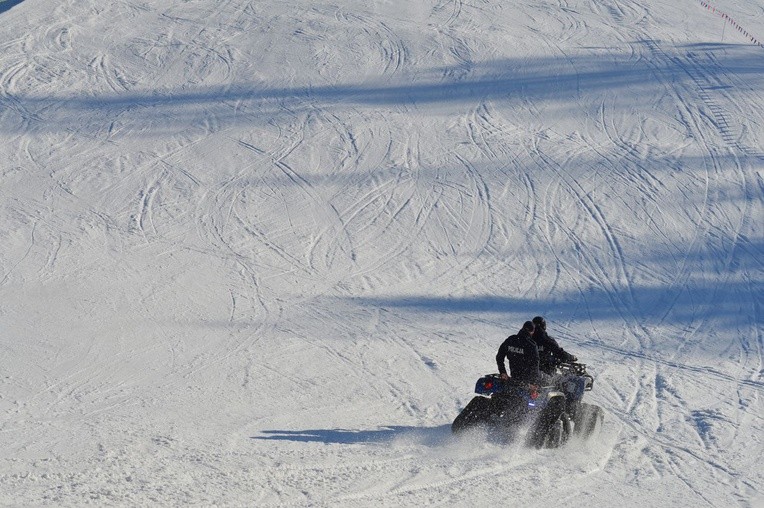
{"type": "Point", "coordinates": [528, 327]}
{"type": "Point", "coordinates": [540, 322]}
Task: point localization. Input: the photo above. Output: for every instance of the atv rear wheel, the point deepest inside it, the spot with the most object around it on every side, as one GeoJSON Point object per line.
{"type": "Point", "coordinates": [474, 414]}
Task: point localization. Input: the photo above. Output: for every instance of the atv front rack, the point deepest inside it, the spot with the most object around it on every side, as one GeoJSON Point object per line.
{"type": "Point", "coordinates": [577, 369]}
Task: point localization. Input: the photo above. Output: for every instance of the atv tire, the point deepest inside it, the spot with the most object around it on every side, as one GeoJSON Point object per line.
{"type": "Point", "coordinates": [552, 428]}
{"type": "Point", "coordinates": [558, 433]}
{"type": "Point", "coordinates": [588, 420]}
{"type": "Point", "coordinates": [477, 412]}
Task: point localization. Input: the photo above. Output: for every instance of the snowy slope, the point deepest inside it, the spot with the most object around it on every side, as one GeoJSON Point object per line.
{"type": "Point", "coordinates": [257, 252]}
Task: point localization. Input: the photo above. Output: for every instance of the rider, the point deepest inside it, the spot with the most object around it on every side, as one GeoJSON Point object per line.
{"type": "Point", "coordinates": [523, 356]}
{"type": "Point", "coordinates": [550, 353]}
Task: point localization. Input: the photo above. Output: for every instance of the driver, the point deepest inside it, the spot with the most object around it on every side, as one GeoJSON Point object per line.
{"type": "Point", "coordinates": [550, 353]}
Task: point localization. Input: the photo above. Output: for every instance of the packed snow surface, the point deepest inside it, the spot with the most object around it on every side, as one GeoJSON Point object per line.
{"type": "Point", "coordinates": [258, 252]}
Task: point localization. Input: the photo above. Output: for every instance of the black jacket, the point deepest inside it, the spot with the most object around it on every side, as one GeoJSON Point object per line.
{"type": "Point", "coordinates": [523, 357]}
{"type": "Point", "coordinates": [550, 353]}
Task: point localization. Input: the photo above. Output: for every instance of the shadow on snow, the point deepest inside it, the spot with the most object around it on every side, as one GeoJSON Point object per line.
{"type": "Point", "coordinates": [507, 80]}
{"type": "Point", "coordinates": [7, 4]}
{"type": "Point", "coordinates": [691, 297]}
{"type": "Point", "coordinates": [424, 435]}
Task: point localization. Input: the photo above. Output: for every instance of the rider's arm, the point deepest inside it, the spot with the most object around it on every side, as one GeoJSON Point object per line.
{"type": "Point", "coordinates": [557, 351]}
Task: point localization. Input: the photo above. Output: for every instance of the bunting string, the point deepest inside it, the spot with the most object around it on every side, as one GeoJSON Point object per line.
{"type": "Point", "coordinates": [737, 26]}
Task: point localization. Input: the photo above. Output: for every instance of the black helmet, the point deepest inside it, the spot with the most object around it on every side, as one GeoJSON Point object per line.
{"type": "Point", "coordinates": [539, 321]}
{"type": "Point", "coordinates": [528, 327]}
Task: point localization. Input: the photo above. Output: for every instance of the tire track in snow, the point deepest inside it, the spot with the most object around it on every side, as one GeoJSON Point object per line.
{"type": "Point", "coordinates": [324, 245]}
{"type": "Point", "coordinates": [623, 301]}
{"type": "Point", "coordinates": [688, 477]}
{"type": "Point", "coordinates": [114, 77]}
{"type": "Point", "coordinates": [657, 55]}
{"type": "Point", "coordinates": [452, 7]}
{"type": "Point", "coordinates": [703, 230]}
{"type": "Point", "coordinates": [335, 244]}
{"type": "Point", "coordinates": [598, 271]}
{"type": "Point", "coordinates": [15, 265]}
{"type": "Point", "coordinates": [488, 133]}
{"type": "Point", "coordinates": [710, 219]}
{"type": "Point", "coordinates": [228, 193]}
{"type": "Point", "coordinates": [392, 49]}
{"type": "Point", "coordinates": [402, 194]}
{"type": "Point", "coordinates": [478, 231]}
{"type": "Point", "coordinates": [195, 41]}
{"type": "Point", "coordinates": [219, 221]}
{"type": "Point", "coordinates": [11, 75]}
{"type": "Point", "coordinates": [482, 474]}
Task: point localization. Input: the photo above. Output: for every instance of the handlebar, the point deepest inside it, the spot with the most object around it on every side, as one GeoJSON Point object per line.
{"type": "Point", "coordinates": [578, 369]}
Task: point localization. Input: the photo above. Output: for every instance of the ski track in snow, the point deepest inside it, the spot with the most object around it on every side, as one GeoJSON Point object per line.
{"type": "Point", "coordinates": [259, 252]}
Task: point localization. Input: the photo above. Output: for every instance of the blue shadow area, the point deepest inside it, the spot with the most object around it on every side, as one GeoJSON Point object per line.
{"type": "Point", "coordinates": [556, 81]}
{"type": "Point", "coordinates": [7, 4]}
{"type": "Point", "coordinates": [682, 302]}
{"type": "Point", "coordinates": [430, 436]}
{"type": "Point", "coordinates": [598, 305]}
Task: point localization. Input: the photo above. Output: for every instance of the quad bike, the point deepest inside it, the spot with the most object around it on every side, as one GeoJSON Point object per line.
{"type": "Point", "coordinates": [551, 413]}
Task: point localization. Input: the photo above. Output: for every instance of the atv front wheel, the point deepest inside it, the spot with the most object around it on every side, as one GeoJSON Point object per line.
{"type": "Point", "coordinates": [552, 428]}
{"type": "Point", "coordinates": [588, 420]}
{"type": "Point", "coordinates": [558, 433]}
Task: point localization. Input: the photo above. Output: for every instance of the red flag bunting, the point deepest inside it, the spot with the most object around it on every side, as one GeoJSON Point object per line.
{"type": "Point", "coordinates": [734, 23]}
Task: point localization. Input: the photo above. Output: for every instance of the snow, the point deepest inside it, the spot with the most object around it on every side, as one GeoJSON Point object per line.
{"type": "Point", "coordinates": [258, 252]}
